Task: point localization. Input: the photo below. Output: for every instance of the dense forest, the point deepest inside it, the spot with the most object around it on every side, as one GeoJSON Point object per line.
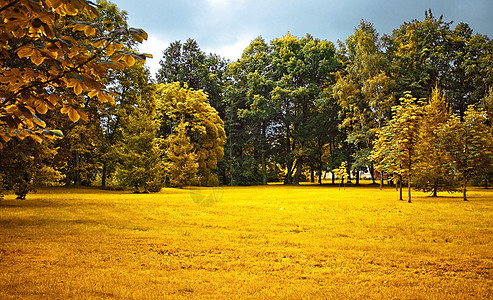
{"type": "Point", "coordinates": [79, 106]}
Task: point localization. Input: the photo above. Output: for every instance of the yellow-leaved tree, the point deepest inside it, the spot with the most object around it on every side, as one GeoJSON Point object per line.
{"type": "Point", "coordinates": [181, 164]}
{"type": "Point", "coordinates": [396, 148]}
{"type": "Point", "coordinates": [181, 109]}
{"type": "Point", "coordinates": [44, 69]}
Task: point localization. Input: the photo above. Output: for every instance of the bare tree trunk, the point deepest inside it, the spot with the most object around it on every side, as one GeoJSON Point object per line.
{"type": "Point", "coordinates": [357, 177]}
{"type": "Point", "coordinates": [371, 168]}
{"type": "Point", "coordinates": [264, 169]}
{"type": "Point", "coordinates": [299, 167]}
{"type": "Point", "coordinates": [103, 175]}
{"type": "Point", "coordinates": [409, 188]}
{"type": "Point", "coordinates": [464, 190]}
{"type": "Point", "coordinates": [381, 180]}
{"type": "Point", "coordinates": [333, 178]}
{"type": "Point", "coordinates": [400, 187]}
{"type": "Point", "coordinates": [288, 179]}
{"type": "Point", "coordinates": [77, 180]}
{"type": "Point", "coordinates": [435, 188]}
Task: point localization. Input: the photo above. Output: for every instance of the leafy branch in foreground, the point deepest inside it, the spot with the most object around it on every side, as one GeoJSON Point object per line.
{"type": "Point", "coordinates": [45, 68]}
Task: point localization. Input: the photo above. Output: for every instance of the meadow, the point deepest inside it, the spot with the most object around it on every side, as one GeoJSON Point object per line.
{"type": "Point", "coordinates": [268, 242]}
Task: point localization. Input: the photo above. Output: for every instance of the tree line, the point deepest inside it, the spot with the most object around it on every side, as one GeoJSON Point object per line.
{"type": "Point", "coordinates": [416, 104]}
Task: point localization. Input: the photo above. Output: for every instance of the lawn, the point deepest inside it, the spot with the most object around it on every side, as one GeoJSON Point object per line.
{"type": "Point", "coordinates": [287, 242]}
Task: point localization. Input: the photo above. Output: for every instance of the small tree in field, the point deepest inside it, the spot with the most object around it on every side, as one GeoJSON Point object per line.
{"type": "Point", "coordinates": [395, 150]}
{"type": "Point", "coordinates": [341, 172]}
{"type": "Point", "coordinates": [467, 144]}
{"type": "Point", "coordinates": [432, 174]}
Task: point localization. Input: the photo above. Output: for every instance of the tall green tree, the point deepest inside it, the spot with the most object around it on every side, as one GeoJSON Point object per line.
{"type": "Point", "coordinates": [429, 53]}
{"type": "Point", "coordinates": [187, 63]}
{"type": "Point", "coordinates": [364, 92]}
{"type": "Point", "coordinates": [300, 70]}
{"type": "Point", "coordinates": [249, 95]}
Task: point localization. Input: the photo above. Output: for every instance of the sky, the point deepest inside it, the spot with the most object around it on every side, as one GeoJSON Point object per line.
{"type": "Point", "coordinates": [226, 27]}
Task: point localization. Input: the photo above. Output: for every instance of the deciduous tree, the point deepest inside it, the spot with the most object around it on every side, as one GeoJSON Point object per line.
{"type": "Point", "coordinates": [396, 148]}
{"type": "Point", "coordinates": [204, 127]}
{"type": "Point", "coordinates": [45, 69]}
{"type": "Point", "coordinates": [467, 144]}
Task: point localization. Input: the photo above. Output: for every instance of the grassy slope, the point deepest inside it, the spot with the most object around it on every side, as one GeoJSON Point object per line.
{"type": "Point", "coordinates": [256, 242]}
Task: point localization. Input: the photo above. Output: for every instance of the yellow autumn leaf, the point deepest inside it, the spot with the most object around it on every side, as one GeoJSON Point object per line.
{"type": "Point", "coordinates": [83, 116]}
{"type": "Point", "coordinates": [130, 60]}
{"type": "Point", "coordinates": [25, 52]}
{"type": "Point", "coordinates": [73, 114]}
{"type": "Point", "coordinates": [65, 109]}
{"type": "Point", "coordinates": [92, 93]}
{"type": "Point", "coordinates": [39, 122]}
{"type": "Point", "coordinates": [41, 107]}
{"type": "Point", "coordinates": [78, 88]}
{"type": "Point", "coordinates": [36, 138]}
{"type": "Point", "coordinates": [37, 58]}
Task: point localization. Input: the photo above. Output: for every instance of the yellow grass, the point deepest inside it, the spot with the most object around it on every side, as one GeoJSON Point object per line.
{"type": "Point", "coordinates": [305, 242]}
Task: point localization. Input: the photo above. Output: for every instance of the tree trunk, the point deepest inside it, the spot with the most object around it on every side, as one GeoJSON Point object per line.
{"type": "Point", "coordinates": [357, 177]}
{"type": "Point", "coordinates": [333, 178]}
{"type": "Point", "coordinates": [299, 167]}
{"type": "Point", "coordinates": [400, 187]}
{"type": "Point", "coordinates": [103, 175]}
{"type": "Point", "coordinates": [464, 190]}
{"type": "Point", "coordinates": [409, 188]}
{"type": "Point", "coordinates": [264, 169]}
{"type": "Point", "coordinates": [77, 168]}
{"type": "Point", "coordinates": [435, 188]}
{"type": "Point", "coordinates": [312, 176]}
{"type": "Point", "coordinates": [381, 180]}
{"type": "Point", "coordinates": [486, 182]}
{"type": "Point", "coordinates": [371, 168]}
{"type": "Point", "coordinates": [288, 178]}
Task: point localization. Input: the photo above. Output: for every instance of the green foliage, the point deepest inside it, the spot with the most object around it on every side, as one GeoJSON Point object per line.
{"type": "Point", "coordinates": [280, 95]}
{"type": "Point", "coordinates": [363, 91]}
{"type": "Point", "coordinates": [187, 63]}
{"type": "Point", "coordinates": [429, 53]}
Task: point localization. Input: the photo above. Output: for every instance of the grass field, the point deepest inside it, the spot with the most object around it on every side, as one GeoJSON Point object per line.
{"type": "Point", "coordinates": [306, 242]}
